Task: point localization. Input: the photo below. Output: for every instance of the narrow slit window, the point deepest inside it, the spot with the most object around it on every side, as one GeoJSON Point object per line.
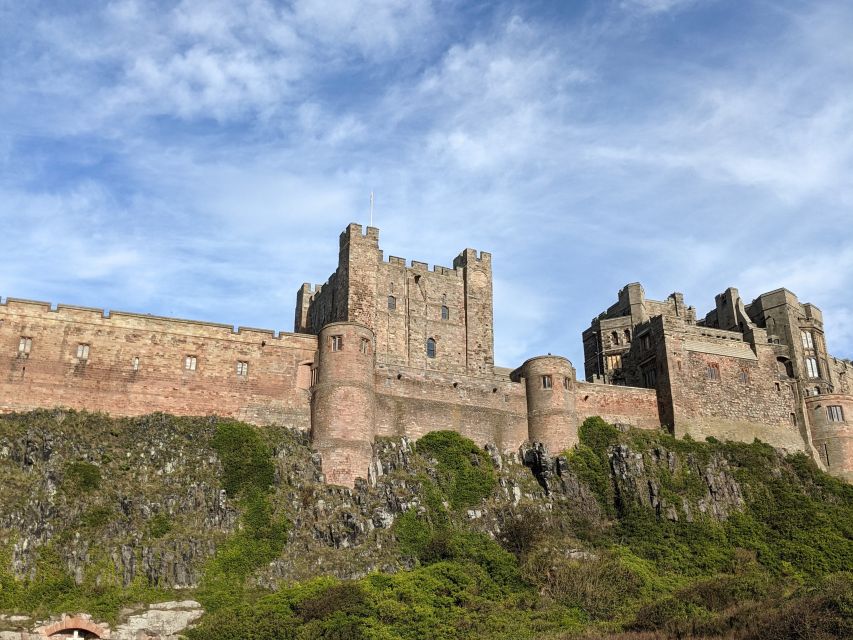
{"type": "Point", "coordinates": [365, 345]}
{"type": "Point", "coordinates": [546, 382]}
{"type": "Point", "coordinates": [190, 363]}
{"type": "Point", "coordinates": [25, 346]}
{"type": "Point", "coordinates": [82, 351]}
{"type": "Point", "coordinates": [135, 363]}
{"type": "Point", "coordinates": [430, 348]}
{"type": "Point", "coordinates": [242, 368]}
{"type": "Point", "coordinates": [337, 343]}
{"type": "Point", "coordinates": [565, 383]}
{"type": "Point", "coordinates": [392, 303]}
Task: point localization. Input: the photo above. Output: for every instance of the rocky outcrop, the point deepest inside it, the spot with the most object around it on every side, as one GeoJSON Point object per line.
{"type": "Point", "coordinates": [645, 478]}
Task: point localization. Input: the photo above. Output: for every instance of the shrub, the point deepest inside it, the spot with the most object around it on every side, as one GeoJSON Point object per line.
{"type": "Point", "coordinates": [465, 473]}
{"type": "Point", "coordinates": [82, 477]}
{"type": "Point", "coordinates": [598, 435]}
{"type": "Point", "coordinates": [159, 526]}
{"type": "Point", "coordinates": [246, 459]}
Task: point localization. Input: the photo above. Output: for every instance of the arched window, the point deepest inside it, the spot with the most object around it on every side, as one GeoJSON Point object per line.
{"type": "Point", "coordinates": [713, 371]}
{"type": "Point", "coordinates": [430, 348]}
{"type": "Point", "coordinates": [627, 336]}
{"type": "Point", "coordinates": [392, 303]}
{"type": "Point", "coordinates": [614, 338]}
{"type": "Point", "coordinates": [445, 312]}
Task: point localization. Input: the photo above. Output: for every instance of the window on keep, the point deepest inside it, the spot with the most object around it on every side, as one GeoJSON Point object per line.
{"type": "Point", "coordinates": [336, 343]}
{"type": "Point", "coordinates": [445, 313]}
{"type": "Point", "coordinates": [135, 363]}
{"type": "Point", "coordinates": [713, 371]}
{"type": "Point", "coordinates": [811, 368]}
{"type": "Point", "coordinates": [190, 363]}
{"type": "Point", "coordinates": [430, 348]}
{"type": "Point", "coordinates": [835, 413]}
{"type": "Point", "coordinates": [392, 303]}
{"type": "Point", "coordinates": [546, 382]}
{"type": "Point", "coordinates": [365, 345]}
{"type": "Point", "coordinates": [82, 351]}
{"type": "Point", "coordinates": [25, 345]}
{"type": "Point", "coordinates": [242, 368]}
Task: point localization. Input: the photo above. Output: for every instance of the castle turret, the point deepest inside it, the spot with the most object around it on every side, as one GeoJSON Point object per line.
{"type": "Point", "coordinates": [551, 416]}
{"type": "Point", "coordinates": [343, 401]}
{"type": "Point", "coordinates": [831, 418]}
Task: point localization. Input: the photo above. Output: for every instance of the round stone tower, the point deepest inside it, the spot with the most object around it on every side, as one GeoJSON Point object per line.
{"type": "Point", "coordinates": [831, 420]}
{"type": "Point", "coordinates": [551, 416]}
{"type": "Point", "coordinates": [343, 401]}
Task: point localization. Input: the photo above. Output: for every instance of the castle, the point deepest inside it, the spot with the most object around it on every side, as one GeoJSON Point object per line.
{"type": "Point", "coordinates": [386, 348]}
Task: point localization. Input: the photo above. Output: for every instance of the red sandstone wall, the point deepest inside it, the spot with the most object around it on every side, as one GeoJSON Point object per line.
{"type": "Point", "coordinates": [623, 405]}
{"type": "Point", "coordinates": [273, 392]}
{"type": "Point", "coordinates": [487, 410]}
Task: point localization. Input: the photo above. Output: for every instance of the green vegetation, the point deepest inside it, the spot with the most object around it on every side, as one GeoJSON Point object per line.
{"type": "Point", "coordinates": [776, 567]}
{"type": "Point", "coordinates": [465, 473]}
{"type": "Point", "coordinates": [82, 477]}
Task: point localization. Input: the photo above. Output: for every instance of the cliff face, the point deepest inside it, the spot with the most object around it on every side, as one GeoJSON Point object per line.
{"type": "Point", "coordinates": [96, 513]}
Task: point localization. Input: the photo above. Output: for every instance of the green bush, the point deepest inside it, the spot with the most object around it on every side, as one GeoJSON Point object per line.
{"type": "Point", "coordinates": [598, 435]}
{"type": "Point", "coordinates": [159, 526]}
{"type": "Point", "coordinates": [465, 472]}
{"type": "Point", "coordinates": [246, 459]}
{"type": "Point", "coordinates": [82, 477]}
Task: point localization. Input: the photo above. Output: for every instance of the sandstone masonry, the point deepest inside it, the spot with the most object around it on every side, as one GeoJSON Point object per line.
{"type": "Point", "coordinates": [386, 348]}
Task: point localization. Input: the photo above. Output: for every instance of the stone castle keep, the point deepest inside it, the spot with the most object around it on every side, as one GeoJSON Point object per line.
{"type": "Point", "coordinates": [390, 349]}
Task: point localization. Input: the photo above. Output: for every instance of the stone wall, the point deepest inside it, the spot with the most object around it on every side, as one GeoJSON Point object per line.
{"type": "Point", "coordinates": [413, 402]}
{"type": "Point", "coordinates": [620, 405]}
{"type": "Point", "coordinates": [726, 388]}
{"type": "Point", "coordinates": [833, 438]}
{"type": "Point", "coordinates": [136, 364]}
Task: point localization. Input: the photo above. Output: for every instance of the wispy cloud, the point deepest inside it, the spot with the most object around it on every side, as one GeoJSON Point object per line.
{"type": "Point", "coordinates": [200, 158]}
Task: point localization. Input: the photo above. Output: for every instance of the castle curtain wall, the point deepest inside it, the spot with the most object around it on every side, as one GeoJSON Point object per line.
{"type": "Point", "coordinates": [137, 364]}
{"type": "Point", "coordinates": [412, 402]}
{"type": "Point", "coordinates": [620, 405]}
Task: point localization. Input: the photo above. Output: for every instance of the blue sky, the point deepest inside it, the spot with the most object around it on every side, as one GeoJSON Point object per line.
{"type": "Point", "coordinates": [198, 158]}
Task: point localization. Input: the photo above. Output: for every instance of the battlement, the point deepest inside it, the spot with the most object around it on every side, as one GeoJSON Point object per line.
{"type": "Point", "coordinates": [357, 233]}
{"type": "Point", "coordinates": [417, 265]}
{"type": "Point", "coordinates": [93, 315]}
{"type": "Point", "coordinates": [472, 256]}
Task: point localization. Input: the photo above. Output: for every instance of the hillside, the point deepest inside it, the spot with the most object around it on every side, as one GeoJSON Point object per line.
{"type": "Point", "coordinates": [630, 535]}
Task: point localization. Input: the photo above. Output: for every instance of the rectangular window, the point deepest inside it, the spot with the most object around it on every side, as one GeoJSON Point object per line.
{"type": "Point", "coordinates": [313, 376]}
{"type": "Point", "coordinates": [190, 363]}
{"type": "Point", "coordinates": [646, 342]}
{"type": "Point", "coordinates": [546, 382]}
{"type": "Point", "coordinates": [811, 368]}
{"type": "Point", "coordinates": [337, 343]}
{"type": "Point", "coordinates": [713, 372]}
{"type": "Point", "coordinates": [744, 376]}
{"type": "Point", "coordinates": [808, 340]}
{"type": "Point", "coordinates": [794, 419]}
{"type": "Point", "coordinates": [835, 413]}
{"type": "Point", "coordinates": [242, 368]}
{"type": "Point", "coordinates": [135, 363]}
{"type": "Point", "coordinates": [778, 387]}
{"type": "Point", "coordinates": [650, 377]}
{"type": "Point", "coordinates": [25, 346]}
{"type": "Point", "coordinates": [614, 362]}
{"type": "Point", "coordinates": [392, 303]}
{"type": "Point", "coordinates": [365, 345]}
{"type": "Point", "coordinates": [566, 383]}
{"type": "Point", "coordinates": [82, 351]}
